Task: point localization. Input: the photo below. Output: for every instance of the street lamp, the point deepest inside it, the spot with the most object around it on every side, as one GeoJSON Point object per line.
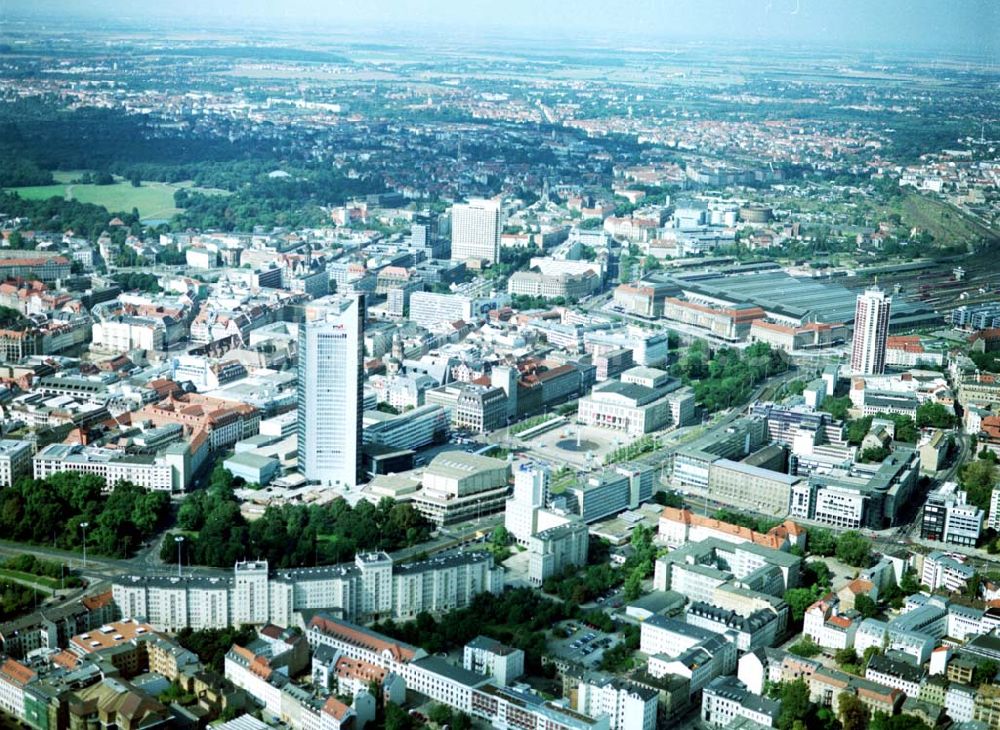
{"type": "Point", "coordinates": [178, 539]}
{"type": "Point", "coordinates": [84, 526]}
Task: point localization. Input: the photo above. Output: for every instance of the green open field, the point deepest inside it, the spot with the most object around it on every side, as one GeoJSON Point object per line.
{"type": "Point", "coordinates": [154, 200]}
{"type": "Point", "coordinates": [40, 582]}
{"type": "Point", "coordinates": [947, 224]}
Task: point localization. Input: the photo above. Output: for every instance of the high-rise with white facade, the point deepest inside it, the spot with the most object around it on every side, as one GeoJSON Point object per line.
{"type": "Point", "coordinates": [475, 230]}
{"type": "Point", "coordinates": [871, 332]}
{"type": "Point", "coordinates": [330, 397]}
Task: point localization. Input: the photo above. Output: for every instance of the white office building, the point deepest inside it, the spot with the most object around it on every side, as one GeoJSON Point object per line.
{"type": "Point", "coordinates": [945, 571]}
{"type": "Point", "coordinates": [166, 472]}
{"type": "Point", "coordinates": [484, 655]}
{"type": "Point", "coordinates": [330, 385]}
{"type": "Point", "coordinates": [475, 230]}
{"type": "Point", "coordinates": [15, 460]}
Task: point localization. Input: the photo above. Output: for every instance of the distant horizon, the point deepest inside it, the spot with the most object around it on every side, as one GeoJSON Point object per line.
{"type": "Point", "coordinates": [965, 29]}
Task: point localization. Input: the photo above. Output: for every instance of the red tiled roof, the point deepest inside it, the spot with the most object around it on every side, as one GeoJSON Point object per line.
{"type": "Point", "coordinates": [362, 638]}
{"type": "Point", "coordinates": [15, 672]}
{"type": "Point", "coordinates": [335, 708]}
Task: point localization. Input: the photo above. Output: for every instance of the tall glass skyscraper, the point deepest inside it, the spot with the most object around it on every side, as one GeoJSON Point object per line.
{"type": "Point", "coordinates": [331, 342]}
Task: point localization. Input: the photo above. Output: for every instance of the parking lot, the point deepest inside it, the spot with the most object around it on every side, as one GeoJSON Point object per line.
{"type": "Point", "coordinates": [584, 645]}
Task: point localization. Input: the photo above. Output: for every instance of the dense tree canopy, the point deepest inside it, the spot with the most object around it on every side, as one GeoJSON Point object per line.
{"type": "Point", "coordinates": [518, 617]}
{"type": "Point", "coordinates": [16, 599]}
{"type": "Point", "coordinates": [49, 512]}
{"type": "Point", "coordinates": [821, 541]}
{"type": "Point", "coordinates": [978, 478]}
{"type": "Point", "coordinates": [854, 549]}
{"type": "Point", "coordinates": [211, 645]}
{"type": "Point", "coordinates": [727, 376]}
{"type": "Point", "coordinates": [292, 535]}
{"type": "Point", "coordinates": [935, 415]}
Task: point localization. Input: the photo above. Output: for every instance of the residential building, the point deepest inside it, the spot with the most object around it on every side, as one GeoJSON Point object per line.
{"type": "Point", "coordinates": [727, 698]}
{"type": "Point", "coordinates": [892, 673]}
{"type": "Point", "coordinates": [871, 332]}
{"type": "Point", "coordinates": [827, 626]}
{"type": "Point", "coordinates": [14, 678]}
{"type": "Point", "coordinates": [757, 630]}
{"type": "Point", "coordinates": [553, 550]}
{"type": "Point", "coordinates": [528, 498]}
{"type": "Point", "coordinates": [459, 688]}
{"type": "Point", "coordinates": [694, 571]}
{"type": "Point", "coordinates": [374, 585]}
{"type": "Point", "coordinates": [941, 570]}
{"type": "Point", "coordinates": [702, 662]}
{"type": "Point", "coordinates": [677, 527]}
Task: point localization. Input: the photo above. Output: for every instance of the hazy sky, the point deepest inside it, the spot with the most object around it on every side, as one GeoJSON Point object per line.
{"type": "Point", "coordinates": [971, 26]}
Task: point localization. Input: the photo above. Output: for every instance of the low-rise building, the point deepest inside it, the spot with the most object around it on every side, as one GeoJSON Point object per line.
{"type": "Point", "coordinates": [161, 473]}
{"type": "Point", "coordinates": [941, 570]}
{"type": "Point", "coordinates": [15, 460]}
{"type": "Point", "coordinates": [726, 698]}
{"type": "Point", "coordinates": [488, 656]}
{"type": "Point", "coordinates": [891, 673]}
{"type": "Point", "coordinates": [757, 630]}
{"type": "Point", "coordinates": [948, 517]}
{"type": "Point", "coordinates": [628, 407]}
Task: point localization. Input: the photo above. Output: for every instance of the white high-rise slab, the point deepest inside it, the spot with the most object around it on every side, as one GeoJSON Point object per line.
{"type": "Point", "coordinates": [475, 230]}
{"type": "Point", "coordinates": [871, 332]}
{"type": "Point", "coordinates": [330, 390]}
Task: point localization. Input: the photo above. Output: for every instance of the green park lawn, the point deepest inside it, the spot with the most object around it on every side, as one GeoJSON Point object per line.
{"type": "Point", "coordinates": [154, 200]}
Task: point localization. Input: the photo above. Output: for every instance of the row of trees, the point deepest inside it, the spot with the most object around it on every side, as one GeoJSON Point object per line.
{"type": "Point", "coordinates": [50, 512]}
{"type": "Point", "coordinates": [57, 214]}
{"type": "Point", "coordinates": [33, 565]}
{"type": "Point", "coordinates": [217, 534]}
